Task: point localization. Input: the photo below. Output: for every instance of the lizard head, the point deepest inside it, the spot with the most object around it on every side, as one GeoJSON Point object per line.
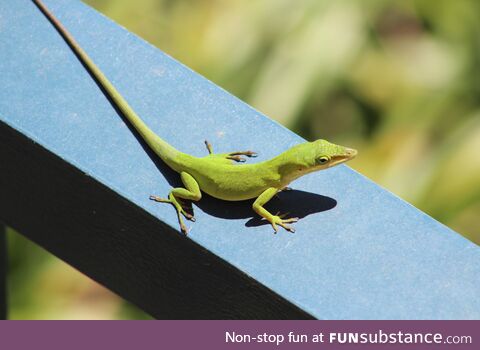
{"type": "Point", "coordinates": [313, 156]}
{"type": "Point", "coordinates": [324, 155]}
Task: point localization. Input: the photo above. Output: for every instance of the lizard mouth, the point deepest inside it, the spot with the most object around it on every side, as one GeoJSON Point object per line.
{"type": "Point", "coordinates": [350, 153]}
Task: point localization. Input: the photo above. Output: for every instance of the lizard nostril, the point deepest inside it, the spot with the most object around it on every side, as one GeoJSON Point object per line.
{"type": "Point", "coordinates": [351, 152]}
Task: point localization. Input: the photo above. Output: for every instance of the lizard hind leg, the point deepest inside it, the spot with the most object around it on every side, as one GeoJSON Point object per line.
{"type": "Point", "coordinates": [178, 207]}
{"type": "Point", "coordinates": [191, 192]}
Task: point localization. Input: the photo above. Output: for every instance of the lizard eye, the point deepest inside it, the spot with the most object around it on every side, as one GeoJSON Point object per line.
{"type": "Point", "coordinates": [322, 160]}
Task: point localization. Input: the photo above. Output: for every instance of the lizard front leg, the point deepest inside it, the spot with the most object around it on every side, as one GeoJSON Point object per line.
{"type": "Point", "coordinates": [191, 192]}
{"type": "Point", "coordinates": [273, 219]}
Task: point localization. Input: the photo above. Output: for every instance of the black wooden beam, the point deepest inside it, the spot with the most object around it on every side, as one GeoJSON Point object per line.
{"type": "Point", "coordinates": [119, 245]}
{"type": "Point", "coordinates": [3, 272]}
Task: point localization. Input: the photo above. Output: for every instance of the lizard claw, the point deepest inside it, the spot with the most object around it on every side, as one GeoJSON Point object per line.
{"type": "Point", "coordinates": [275, 228]}
{"type": "Point", "coordinates": [184, 229]}
{"type": "Point", "coordinates": [236, 158]}
{"type": "Point", "coordinates": [189, 216]}
{"type": "Point", "coordinates": [277, 220]}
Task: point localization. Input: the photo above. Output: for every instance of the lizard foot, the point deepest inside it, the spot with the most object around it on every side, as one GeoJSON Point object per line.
{"type": "Point", "coordinates": [277, 220]}
{"type": "Point", "coordinates": [249, 154]}
{"type": "Point", "coordinates": [179, 206]}
{"type": "Point", "coordinates": [179, 210]}
{"type": "Point", "coordinates": [236, 155]}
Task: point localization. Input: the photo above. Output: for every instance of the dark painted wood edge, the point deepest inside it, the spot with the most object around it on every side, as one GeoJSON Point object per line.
{"type": "Point", "coordinates": [119, 245]}
{"type": "Point", "coordinates": [3, 272]}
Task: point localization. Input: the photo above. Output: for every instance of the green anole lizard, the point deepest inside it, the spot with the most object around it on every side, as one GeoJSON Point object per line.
{"type": "Point", "coordinates": [217, 174]}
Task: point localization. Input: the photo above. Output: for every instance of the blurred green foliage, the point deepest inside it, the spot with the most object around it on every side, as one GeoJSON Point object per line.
{"type": "Point", "coordinates": [399, 80]}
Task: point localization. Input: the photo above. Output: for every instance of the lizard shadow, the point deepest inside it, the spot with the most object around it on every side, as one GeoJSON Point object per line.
{"type": "Point", "coordinates": [294, 202]}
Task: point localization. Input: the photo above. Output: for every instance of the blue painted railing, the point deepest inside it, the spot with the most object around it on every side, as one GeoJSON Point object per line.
{"type": "Point", "coordinates": [75, 179]}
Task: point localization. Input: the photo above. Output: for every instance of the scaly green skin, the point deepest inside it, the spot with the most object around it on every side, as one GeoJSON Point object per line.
{"type": "Point", "coordinates": [217, 174]}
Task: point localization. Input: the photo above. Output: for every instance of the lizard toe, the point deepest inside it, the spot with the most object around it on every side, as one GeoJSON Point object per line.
{"type": "Point", "coordinates": [159, 199]}
{"type": "Point", "coordinates": [290, 220]}
{"type": "Point", "coordinates": [189, 216]}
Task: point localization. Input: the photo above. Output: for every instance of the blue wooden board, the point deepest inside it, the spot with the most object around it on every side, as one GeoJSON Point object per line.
{"type": "Point", "coordinates": [359, 251]}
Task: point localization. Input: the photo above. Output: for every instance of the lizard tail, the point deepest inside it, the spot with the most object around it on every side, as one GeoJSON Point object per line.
{"type": "Point", "coordinates": [158, 145]}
